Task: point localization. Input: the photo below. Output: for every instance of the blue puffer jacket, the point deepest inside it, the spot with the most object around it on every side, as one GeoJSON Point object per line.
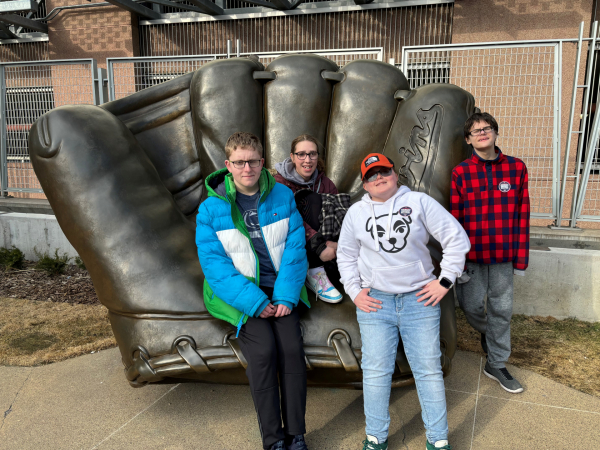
{"type": "Point", "coordinates": [228, 258]}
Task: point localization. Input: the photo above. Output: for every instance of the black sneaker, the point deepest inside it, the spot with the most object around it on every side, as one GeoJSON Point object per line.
{"type": "Point", "coordinates": [279, 445]}
{"type": "Point", "coordinates": [484, 343]}
{"type": "Point", "coordinates": [503, 377]}
{"type": "Point", "coordinates": [298, 443]}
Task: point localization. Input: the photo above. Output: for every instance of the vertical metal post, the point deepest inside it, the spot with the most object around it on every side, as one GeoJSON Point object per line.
{"type": "Point", "coordinates": [556, 141]}
{"type": "Point", "coordinates": [228, 48]}
{"type": "Point", "coordinates": [3, 150]}
{"type": "Point", "coordinates": [570, 127]}
{"type": "Point", "coordinates": [238, 48]}
{"type": "Point", "coordinates": [590, 151]}
{"type": "Point", "coordinates": [102, 87]}
{"type": "Point", "coordinates": [95, 83]}
{"type": "Point", "coordinates": [586, 98]}
{"type": "Point", "coordinates": [111, 80]}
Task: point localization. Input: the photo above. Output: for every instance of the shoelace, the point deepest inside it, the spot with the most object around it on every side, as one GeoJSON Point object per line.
{"type": "Point", "coordinates": [322, 281]}
{"type": "Point", "coordinates": [371, 445]}
{"type": "Point", "coordinates": [299, 439]}
{"type": "Point", "coordinates": [507, 375]}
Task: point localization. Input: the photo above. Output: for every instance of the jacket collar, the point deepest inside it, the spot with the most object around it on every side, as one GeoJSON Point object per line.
{"type": "Point", "coordinates": [222, 176]}
{"type": "Point", "coordinates": [478, 160]}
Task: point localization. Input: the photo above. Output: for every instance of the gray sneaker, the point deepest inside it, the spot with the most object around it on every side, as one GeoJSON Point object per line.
{"type": "Point", "coordinates": [503, 377]}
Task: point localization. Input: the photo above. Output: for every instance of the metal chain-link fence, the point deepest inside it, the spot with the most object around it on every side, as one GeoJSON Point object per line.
{"type": "Point", "coordinates": [28, 90]}
{"type": "Point", "coordinates": [129, 75]}
{"type": "Point", "coordinates": [516, 83]}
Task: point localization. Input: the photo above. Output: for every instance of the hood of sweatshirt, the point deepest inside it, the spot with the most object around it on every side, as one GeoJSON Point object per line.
{"type": "Point", "coordinates": [387, 206]}
{"type": "Point", "coordinates": [287, 170]}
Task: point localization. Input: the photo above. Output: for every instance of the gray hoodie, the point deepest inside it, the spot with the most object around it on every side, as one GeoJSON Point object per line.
{"type": "Point", "coordinates": [384, 245]}
{"type": "Point", "coordinates": [288, 171]}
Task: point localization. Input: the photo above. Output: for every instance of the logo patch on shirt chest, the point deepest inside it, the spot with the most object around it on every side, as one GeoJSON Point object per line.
{"type": "Point", "coordinates": [405, 211]}
{"type": "Point", "coordinates": [504, 186]}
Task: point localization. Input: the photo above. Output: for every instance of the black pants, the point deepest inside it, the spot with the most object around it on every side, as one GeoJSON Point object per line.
{"type": "Point", "coordinates": [277, 373]}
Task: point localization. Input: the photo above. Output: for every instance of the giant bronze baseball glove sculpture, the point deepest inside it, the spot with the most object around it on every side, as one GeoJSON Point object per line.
{"type": "Point", "coordinates": [125, 181]}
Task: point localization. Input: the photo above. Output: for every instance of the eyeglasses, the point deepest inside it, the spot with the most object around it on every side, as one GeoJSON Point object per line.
{"type": "Point", "coordinates": [254, 163]}
{"type": "Point", "coordinates": [373, 175]}
{"type": "Point", "coordinates": [302, 155]}
{"type": "Point", "coordinates": [478, 131]}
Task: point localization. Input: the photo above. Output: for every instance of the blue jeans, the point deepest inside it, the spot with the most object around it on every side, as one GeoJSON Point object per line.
{"type": "Point", "coordinates": [419, 328]}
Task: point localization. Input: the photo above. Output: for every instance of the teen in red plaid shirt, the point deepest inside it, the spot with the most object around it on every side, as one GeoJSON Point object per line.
{"type": "Point", "coordinates": [490, 199]}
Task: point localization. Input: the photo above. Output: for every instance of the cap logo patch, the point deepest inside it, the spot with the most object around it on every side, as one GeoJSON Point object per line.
{"type": "Point", "coordinates": [405, 211]}
{"type": "Point", "coordinates": [504, 186]}
{"type": "Point", "coordinates": [371, 160]}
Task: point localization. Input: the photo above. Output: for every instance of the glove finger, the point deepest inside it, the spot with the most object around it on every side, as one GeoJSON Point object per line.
{"type": "Point", "coordinates": [110, 202]}
{"type": "Point", "coordinates": [362, 112]}
{"type": "Point", "coordinates": [426, 140]}
{"type": "Point", "coordinates": [156, 117]}
{"type": "Point", "coordinates": [296, 102]}
{"type": "Point", "coordinates": [225, 98]}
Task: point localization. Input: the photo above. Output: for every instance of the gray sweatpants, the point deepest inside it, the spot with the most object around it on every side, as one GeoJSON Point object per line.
{"type": "Point", "coordinates": [495, 280]}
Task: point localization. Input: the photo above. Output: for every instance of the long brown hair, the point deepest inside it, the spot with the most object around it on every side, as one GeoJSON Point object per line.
{"type": "Point", "coordinates": [320, 149]}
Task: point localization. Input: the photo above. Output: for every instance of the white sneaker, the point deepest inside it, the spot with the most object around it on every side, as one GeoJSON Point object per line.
{"type": "Point", "coordinates": [319, 283]}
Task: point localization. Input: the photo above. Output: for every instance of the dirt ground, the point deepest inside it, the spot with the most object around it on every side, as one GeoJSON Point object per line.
{"type": "Point", "coordinates": [74, 286]}
{"type": "Point", "coordinates": [62, 317]}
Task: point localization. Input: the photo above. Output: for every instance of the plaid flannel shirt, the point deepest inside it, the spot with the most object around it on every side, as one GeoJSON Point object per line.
{"type": "Point", "coordinates": [491, 201]}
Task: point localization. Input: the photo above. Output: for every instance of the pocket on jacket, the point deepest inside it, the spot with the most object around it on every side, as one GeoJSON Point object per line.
{"type": "Point", "coordinates": [399, 279]}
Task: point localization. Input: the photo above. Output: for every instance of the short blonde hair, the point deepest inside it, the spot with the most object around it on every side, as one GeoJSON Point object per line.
{"type": "Point", "coordinates": [241, 139]}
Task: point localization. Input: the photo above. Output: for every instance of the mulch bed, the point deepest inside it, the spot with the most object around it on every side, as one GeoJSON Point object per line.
{"type": "Point", "coordinates": [73, 286]}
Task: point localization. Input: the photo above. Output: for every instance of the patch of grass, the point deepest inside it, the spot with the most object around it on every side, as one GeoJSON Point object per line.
{"type": "Point", "coordinates": [54, 265]}
{"type": "Point", "coordinates": [566, 351]}
{"type": "Point", "coordinates": [11, 258]}
{"type": "Point", "coordinates": [79, 263]}
{"type": "Point", "coordinates": [34, 333]}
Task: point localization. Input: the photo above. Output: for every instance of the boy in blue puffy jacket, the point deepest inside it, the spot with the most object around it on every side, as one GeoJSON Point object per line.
{"type": "Point", "coordinates": [251, 243]}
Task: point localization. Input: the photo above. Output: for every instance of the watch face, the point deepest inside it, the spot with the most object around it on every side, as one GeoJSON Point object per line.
{"type": "Point", "coordinates": [445, 282]}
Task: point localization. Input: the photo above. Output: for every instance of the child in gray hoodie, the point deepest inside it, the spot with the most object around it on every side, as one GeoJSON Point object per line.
{"type": "Point", "coordinates": [386, 269]}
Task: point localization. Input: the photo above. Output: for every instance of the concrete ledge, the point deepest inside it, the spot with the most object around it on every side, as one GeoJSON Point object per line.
{"type": "Point", "coordinates": [33, 231]}
{"type": "Point", "coordinates": [564, 235]}
{"type": "Point", "coordinates": [25, 205]}
{"type": "Point", "coordinates": [561, 283]}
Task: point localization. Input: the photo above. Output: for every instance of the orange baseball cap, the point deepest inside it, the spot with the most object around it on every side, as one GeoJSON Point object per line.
{"type": "Point", "coordinates": [374, 160]}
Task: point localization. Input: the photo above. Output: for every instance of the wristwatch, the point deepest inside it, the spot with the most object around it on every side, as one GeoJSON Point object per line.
{"type": "Point", "coordinates": [446, 283]}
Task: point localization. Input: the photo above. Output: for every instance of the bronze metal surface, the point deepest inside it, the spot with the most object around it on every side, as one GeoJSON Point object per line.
{"type": "Point", "coordinates": [125, 181]}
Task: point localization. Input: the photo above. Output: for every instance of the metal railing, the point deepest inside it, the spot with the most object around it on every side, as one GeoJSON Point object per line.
{"type": "Point", "coordinates": [516, 82]}
{"type": "Point", "coordinates": [129, 75]}
{"type": "Point", "coordinates": [28, 90]}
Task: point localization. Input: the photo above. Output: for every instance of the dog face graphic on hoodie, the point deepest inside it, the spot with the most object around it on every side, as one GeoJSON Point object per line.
{"type": "Point", "coordinates": [400, 229]}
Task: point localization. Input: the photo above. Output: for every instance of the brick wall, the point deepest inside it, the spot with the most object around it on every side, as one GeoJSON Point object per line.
{"type": "Point", "coordinates": [100, 32]}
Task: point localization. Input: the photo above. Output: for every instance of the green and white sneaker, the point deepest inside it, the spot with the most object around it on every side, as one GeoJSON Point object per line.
{"type": "Point", "coordinates": [438, 445]}
{"type": "Point", "coordinates": [503, 377]}
{"type": "Point", "coordinates": [371, 443]}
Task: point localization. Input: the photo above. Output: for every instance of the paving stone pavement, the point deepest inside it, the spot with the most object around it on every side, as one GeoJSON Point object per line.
{"type": "Point", "coordinates": [86, 403]}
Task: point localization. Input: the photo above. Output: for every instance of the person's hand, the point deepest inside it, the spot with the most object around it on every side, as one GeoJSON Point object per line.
{"type": "Point", "coordinates": [282, 310]}
{"type": "Point", "coordinates": [433, 292]}
{"type": "Point", "coordinates": [331, 244]}
{"type": "Point", "coordinates": [268, 311]}
{"type": "Point", "coordinates": [366, 303]}
{"type": "Point", "coordinates": [328, 254]}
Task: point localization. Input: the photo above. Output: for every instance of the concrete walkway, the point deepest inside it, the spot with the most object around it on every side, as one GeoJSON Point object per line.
{"type": "Point", "coordinates": [86, 403]}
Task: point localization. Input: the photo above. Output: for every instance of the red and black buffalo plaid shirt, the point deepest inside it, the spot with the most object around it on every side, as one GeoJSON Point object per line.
{"type": "Point", "coordinates": [491, 201]}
